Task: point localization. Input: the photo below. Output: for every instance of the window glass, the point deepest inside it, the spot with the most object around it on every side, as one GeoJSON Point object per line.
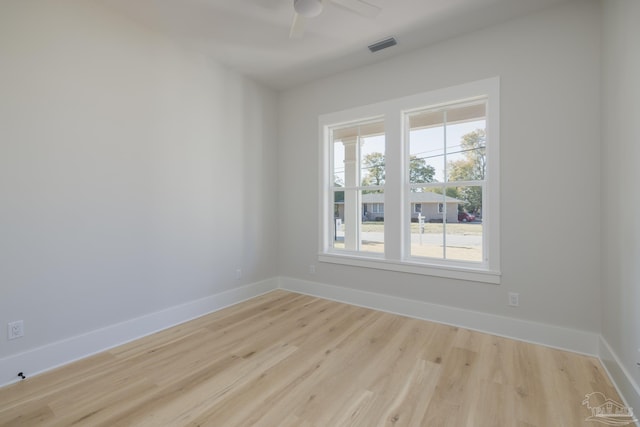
{"type": "Point", "coordinates": [358, 173]}
{"type": "Point", "coordinates": [447, 146]}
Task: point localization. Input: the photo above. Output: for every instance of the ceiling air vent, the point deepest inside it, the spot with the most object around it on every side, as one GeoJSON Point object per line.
{"type": "Point", "coordinates": [383, 44]}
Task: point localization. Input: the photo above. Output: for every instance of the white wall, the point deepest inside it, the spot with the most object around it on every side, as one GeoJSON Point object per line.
{"type": "Point", "coordinates": [134, 176]}
{"type": "Point", "coordinates": [620, 196]}
{"type": "Point", "coordinates": [549, 64]}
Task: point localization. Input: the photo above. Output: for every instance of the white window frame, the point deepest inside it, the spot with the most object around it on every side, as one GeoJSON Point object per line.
{"type": "Point", "coordinates": [396, 256]}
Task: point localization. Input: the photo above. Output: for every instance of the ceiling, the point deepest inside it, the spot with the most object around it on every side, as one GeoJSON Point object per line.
{"type": "Point", "coordinates": [252, 36]}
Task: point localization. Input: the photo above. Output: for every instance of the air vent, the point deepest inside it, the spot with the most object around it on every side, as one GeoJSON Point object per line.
{"type": "Point", "coordinates": [383, 44]}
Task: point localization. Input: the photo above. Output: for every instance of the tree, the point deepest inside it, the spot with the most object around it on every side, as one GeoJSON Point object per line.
{"type": "Point", "coordinates": [450, 192]}
{"type": "Point", "coordinates": [420, 171]}
{"type": "Point", "coordinates": [374, 164]}
{"type": "Point", "coordinates": [472, 168]}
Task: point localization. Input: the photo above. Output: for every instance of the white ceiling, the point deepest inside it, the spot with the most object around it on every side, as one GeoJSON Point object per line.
{"type": "Point", "coordinates": [252, 36]}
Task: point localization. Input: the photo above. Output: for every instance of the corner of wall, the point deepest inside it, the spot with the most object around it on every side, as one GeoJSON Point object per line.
{"type": "Point", "coordinates": [53, 355]}
{"type": "Point", "coordinates": [627, 388]}
{"type": "Point", "coordinates": [574, 340]}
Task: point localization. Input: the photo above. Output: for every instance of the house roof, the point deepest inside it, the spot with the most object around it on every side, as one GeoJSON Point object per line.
{"type": "Point", "coordinates": [424, 197]}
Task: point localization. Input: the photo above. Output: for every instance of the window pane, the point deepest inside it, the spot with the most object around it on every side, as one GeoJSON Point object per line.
{"type": "Point", "coordinates": [466, 142]}
{"type": "Point", "coordinates": [337, 229]}
{"type": "Point", "coordinates": [372, 154]}
{"type": "Point", "coordinates": [426, 147]}
{"type": "Point", "coordinates": [358, 161]}
{"type": "Point", "coordinates": [427, 228]}
{"type": "Point", "coordinates": [372, 226]}
{"type": "Point", "coordinates": [447, 145]}
{"type": "Point", "coordinates": [352, 219]}
{"type": "Point", "coordinates": [345, 156]}
{"type": "Point", "coordinates": [338, 164]}
{"type": "Point", "coordinates": [359, 155]}
{"type": "Point", "coordinates": [449, 224]}
{"type": "Point", "coordinates": [364, 232]}
{"type": "Point", "coordinates": [427, 240]}
{"type": "Point", "coordinates": [464, 235]}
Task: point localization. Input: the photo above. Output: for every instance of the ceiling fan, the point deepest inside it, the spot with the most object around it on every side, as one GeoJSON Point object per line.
{"type": "Point", "coordinates": [305, 9]}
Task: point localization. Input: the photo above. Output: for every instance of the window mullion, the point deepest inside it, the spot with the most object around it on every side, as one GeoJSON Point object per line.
{"type": "Point", "coordinates": [444, 189]}
{"type": "Point", "coordinates": [394, 181]}
{"type": "Point", "coordinates": [351, 166]}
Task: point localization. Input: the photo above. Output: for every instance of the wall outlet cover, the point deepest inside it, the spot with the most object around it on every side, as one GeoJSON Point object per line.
{"type": "Point", "coordinates": [15, 329]}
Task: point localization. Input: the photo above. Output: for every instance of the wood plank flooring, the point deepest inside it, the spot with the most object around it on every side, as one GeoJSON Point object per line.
{"type": "Point", "coordinates": [284, 359]}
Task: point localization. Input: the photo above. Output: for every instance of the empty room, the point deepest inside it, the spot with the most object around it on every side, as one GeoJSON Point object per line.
{"type": "Point", "coordinates": [319, 213]}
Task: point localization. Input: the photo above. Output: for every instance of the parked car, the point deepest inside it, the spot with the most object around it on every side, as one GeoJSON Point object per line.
{"type": "Point", "coordinates": [466, 217]}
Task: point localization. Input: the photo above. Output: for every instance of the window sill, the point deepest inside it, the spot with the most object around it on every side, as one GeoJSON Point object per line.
{"type": "Point", "coordinates": [449, 272]}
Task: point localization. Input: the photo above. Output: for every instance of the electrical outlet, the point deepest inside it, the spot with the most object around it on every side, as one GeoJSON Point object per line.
{"type": "Point", "coordinates": [312, 269]}
{"type": "Point", "coordinates": [239, 273]}
{"type": "Point", "coordinates": [514, 299]}
{"type": "Point", "coordinates": [15, 329]}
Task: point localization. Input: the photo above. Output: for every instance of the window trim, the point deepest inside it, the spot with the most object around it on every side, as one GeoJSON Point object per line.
{"type": "Point", "coordinates": [375, 261]}
{"type": "Point", "coordinates": [396, 257]}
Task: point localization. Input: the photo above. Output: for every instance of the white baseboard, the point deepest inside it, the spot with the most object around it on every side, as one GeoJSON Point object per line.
{"type": "Point", "coordinates": [538, 333]}
{"type": "Point", "coordinates": [62, 352]}
{"type": "Point", "coordinates": [622, 379]}
{"type": "Point", "coordinates": [577, 341]}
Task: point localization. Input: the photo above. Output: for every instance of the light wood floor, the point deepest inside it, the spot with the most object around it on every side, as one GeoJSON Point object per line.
{"type": "Point", "coordinates": [290, 360]}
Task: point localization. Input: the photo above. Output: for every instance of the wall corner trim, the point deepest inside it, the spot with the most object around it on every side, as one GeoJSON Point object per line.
{"type": "Point", "coordinates": [622, 379]}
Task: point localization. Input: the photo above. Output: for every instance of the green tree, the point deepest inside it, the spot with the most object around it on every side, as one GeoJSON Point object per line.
{"type": "Point", "coordinates": [450, 192]}
{"type": "Point", "coordinates": [473, 167]}
{"type": "Point", "coordinates": [420, 171]}
{"type": "Point", "coordinates": [374, 165]}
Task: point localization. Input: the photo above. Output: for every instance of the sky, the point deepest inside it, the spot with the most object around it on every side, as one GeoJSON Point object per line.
{"type": "Point", "coordinates": [428, 143]}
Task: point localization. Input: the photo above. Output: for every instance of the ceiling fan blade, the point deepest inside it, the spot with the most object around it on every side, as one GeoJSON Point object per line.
{"type": "Point", "coordinates": [360, 7]}
{"type": "Point", "coordinates": [297, 26]}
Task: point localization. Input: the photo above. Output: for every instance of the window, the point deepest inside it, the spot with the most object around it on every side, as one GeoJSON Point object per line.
{"type": "Point", "coordinates": [377, 207]}
{"type": "Point", "coordinates": [357, 187]}
{"type": "Point", "coordinates": [411, 184]}
{"type": "Point", "coordinates": [447, 163]}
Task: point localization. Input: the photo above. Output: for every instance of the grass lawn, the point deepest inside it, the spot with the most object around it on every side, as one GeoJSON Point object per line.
{"type": "Point", "coordinates": [468, 229]}
{"type": "Point", "coordinates": [464, 240]}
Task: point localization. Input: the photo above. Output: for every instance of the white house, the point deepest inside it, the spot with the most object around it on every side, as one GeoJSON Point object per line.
{"type": "Point", "coordinates": [432, 206]}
